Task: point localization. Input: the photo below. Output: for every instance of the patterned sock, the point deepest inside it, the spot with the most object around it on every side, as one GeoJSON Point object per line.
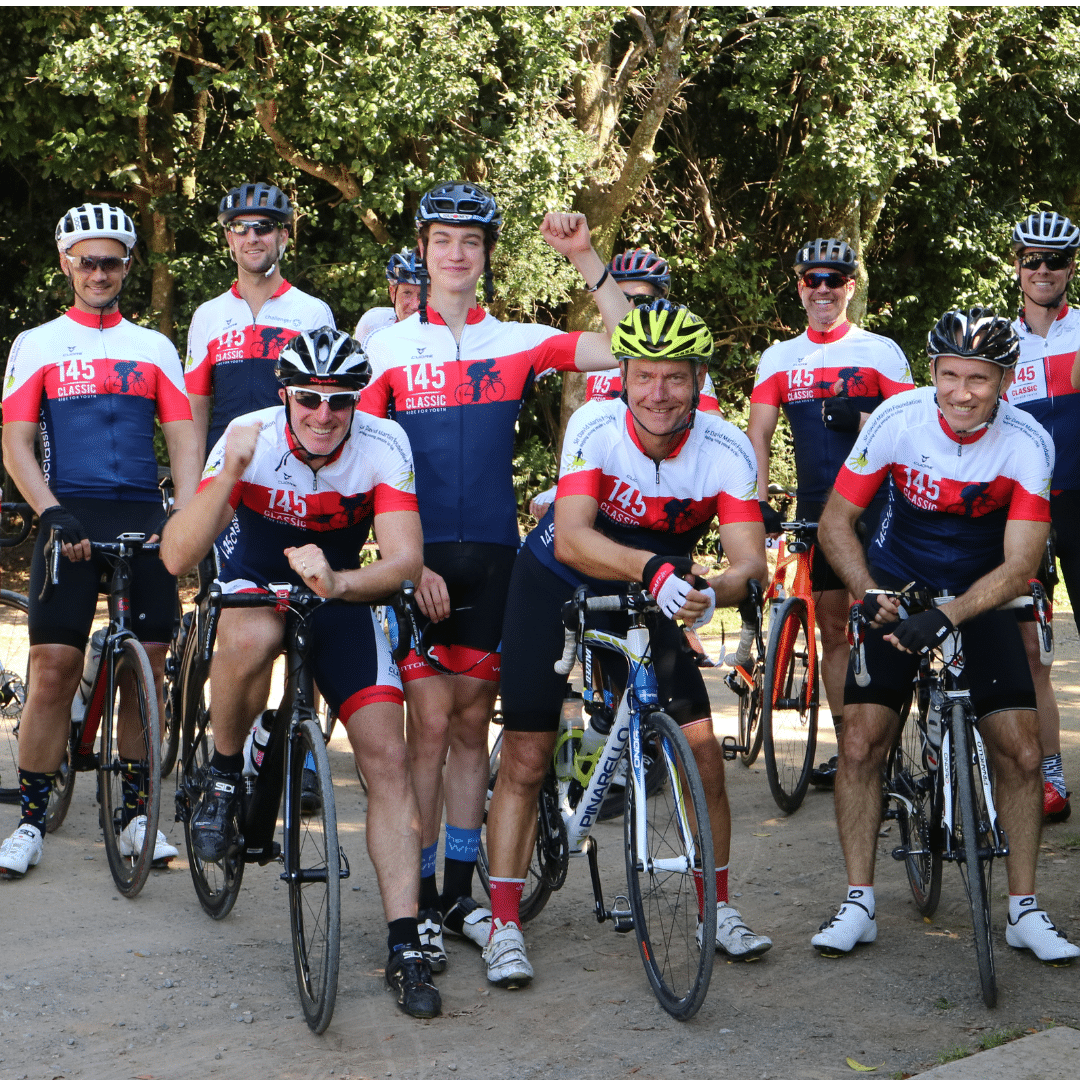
{"type": "Point", "coordinates": [506, 900]}
{"type": "Point", "coordinates": [133, 785]}
{"type": "Point", "coordinates": [34, 788]}
{"type": "Point", "coordinates": [864, 895]}
{"type": "Point", "coordinates": [1054, 772]}
{"type": "Point", "coordinates": [459, 864]}
{"type": "Point", "coordinates": [721, 885]}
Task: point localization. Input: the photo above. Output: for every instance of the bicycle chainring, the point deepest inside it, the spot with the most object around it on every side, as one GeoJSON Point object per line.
{"type": "Point", "coordinates": [553, 844]}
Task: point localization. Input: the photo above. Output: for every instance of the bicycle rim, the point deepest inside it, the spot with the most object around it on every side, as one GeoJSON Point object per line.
{"type": "Point", "coordinates": [663, 897]}
{"type": "Point", "coordinates": [789, 705]}
{"type": "Point", "coordinates": [138, 746]}
{"type": "Point", "coordinates": [14, 648]}
{"type": "Point", "coordinates": [217, 884]}
{"type": "Point", "coordinates": [172, 691]}
{"type": "Point", "coordinates": [313, 873]}
{"type": "Point", "coordinates": [978, 852]}
{"type": "Point", "coordinates": [750, 727]}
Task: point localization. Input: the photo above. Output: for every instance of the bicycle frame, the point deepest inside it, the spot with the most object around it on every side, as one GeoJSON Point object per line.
{"type": "Point", "coordinates": [799, 551]}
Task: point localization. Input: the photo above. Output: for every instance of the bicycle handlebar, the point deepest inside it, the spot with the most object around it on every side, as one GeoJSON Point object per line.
{"type": "Point", "coordinates": [25, 513]}
{"type": "Point", "coordinates": [573, 613]}
{"type": "Point", "coordinates": [125, 545]}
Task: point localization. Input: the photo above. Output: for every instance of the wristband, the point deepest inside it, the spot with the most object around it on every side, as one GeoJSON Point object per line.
{"type": "Point", "coordinates": [603, 278]}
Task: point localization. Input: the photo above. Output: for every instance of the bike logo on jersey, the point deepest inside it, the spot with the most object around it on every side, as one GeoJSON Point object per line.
{"type": "Point", "coordinates": [126, 378]}
{"type": "Point", "coordinates": [484, 384]}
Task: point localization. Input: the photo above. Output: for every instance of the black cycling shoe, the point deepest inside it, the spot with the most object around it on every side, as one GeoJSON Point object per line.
{"type": "Point", "coordinates": [409, 974]}
{"type": "Point", "coordinates": [213, 829]}
{"type": "Point", "coordinates": [824, 776]}
{"type": "Point", "coordinates": [310, 799]}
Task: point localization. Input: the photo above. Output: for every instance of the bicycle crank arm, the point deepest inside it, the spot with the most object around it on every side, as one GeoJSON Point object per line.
{"type": "Point", "coordinates": [621, 917]}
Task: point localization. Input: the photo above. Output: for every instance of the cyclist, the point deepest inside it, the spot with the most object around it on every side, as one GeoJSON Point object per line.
{"type": "Point", "coordinates": [827, 380]}
{"type": "Point", "coordinates": [968, 477]}
{"type": "Point", "coordinates": [403, 273]}
{"type": "Point", "coordinates": [235, 338]}
{"type": "Point", "coordinates": [460, 422]}
{"type": "Point", "coordinates": [1045, 248]}
{"type": "Point", "coordinates": [625, 463]}
{"type": "Point", "coordinates": [90, 384]}
{"type": "Point", "coordinates": [298, 488]}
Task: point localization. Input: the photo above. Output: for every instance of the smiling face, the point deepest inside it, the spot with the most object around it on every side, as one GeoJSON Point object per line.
{"type": "Point", "coordinates": [97, 291]}
{"type": "Point", "coordinates": [405, 298]}
{"type": "Point", "coordinates": [256, 254]}
{"type": "Point", "coordinates": [660, 396]}
{"type": "Point", "coordinates": [826, 308]}
{"type": "Point", "coordinates": [1042, 285]}
{"type": "Point", "coordinates": [319, 431]}
{"type": "Point", "coordinates": [968, 390]}
{"type": "Point", "coordinates": [454, 256]}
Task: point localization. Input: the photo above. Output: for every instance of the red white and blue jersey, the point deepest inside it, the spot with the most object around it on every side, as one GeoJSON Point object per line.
{"type": "Point", "coordinates": [607, 385]}
{"type": "Point", "coordinates": [280, 502]}
{"type": "Point", "coordinates": [949, 497]}
{"type": "Point", "coordinates": [231, 354]}
{"type": "Point", "coordinates": [664, 507]}
{"type": "Point", "coordinates": [459, 405]}
{"type": "Point", "coordinates": [797, 375]}
{"type": "Point", "coordinates": [1042, 386]}
{"type": "Point", "coordinates": [94, 385]}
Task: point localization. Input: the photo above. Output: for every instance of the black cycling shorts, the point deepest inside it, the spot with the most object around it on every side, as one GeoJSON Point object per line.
{"type": "Point", "coordinates": [995, 667]}
{"type": "Point", "coordinates": [532, 691]}
{"type": "Point", "coordinates": [68, 616]}
{"type": "Point", "coordinates": [823, 578]}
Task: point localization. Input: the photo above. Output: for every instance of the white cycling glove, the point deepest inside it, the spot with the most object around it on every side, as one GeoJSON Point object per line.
{"type": "Point", "coordinates": [706, 616]}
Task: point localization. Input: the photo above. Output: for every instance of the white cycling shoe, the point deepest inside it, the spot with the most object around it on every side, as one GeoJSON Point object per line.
{"type": "Point", "coordinates": [733, 937]}
{"type": "Point", "coordinates": [852, 925]}
{"type": "Point", "coordinates": [507, 964]}
{"type": "Point", "coordinates": [1034, 931]}
{"type": "Point", "coordinates": [133, 836]}
{"type": "Point", "coordinates": [20, 851]}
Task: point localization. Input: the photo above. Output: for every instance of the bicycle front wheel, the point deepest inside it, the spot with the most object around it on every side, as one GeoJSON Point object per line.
{"type": "Point", "coordinates": [676, 935]}
{"type": "Point", "coordinates": [313, 873]}
{"type": "Point", "coordinates": [789, 704]}
{"type": "Point", "coordinates": [977, 841]}
{"type": "Point", "coordinates": [172, 694]}
{"type": "Point", "coordinates": [14, 647]}
{"type": "Point", "coordinates": [129, 766]}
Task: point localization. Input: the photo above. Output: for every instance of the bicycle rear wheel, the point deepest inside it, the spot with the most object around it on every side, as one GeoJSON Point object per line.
{"type": "Point", "coordinates": [750, 726]}
{"type": "Point", "coordinates": [14, 647]}
{"type": "Point", "coordinates": [217, 884]}
{"type": "Point", "coordinates": [172, 694]}
{"type": "Point", "coordinates": [789, 704]}
{"type": "Point", "coordinates": [676, 936]}
{"type": "Point", "coordinates": [313, 874]}
{"type": "Point", "coordinates": [128, 755]}
{"type": "Point", "coordinates": [977, 842]}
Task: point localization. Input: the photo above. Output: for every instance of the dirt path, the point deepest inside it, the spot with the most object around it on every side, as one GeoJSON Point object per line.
{"type": "Point", "coordinates": [95, 986]}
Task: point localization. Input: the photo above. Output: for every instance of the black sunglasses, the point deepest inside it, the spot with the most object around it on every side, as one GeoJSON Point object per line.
{"type": "Point", "coordinates": [89, 263]}
{"type": "Point", "coordinates": [832, 279]}
{"type": "Point", "coordinates": [1055, 260]}
{"type": "Point", "coordinates": [260, 228]}
{"type": "Point", "coordinates": [312, 399]}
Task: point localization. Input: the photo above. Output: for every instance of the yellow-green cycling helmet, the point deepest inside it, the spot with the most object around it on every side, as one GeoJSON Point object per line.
{"type": "Point", "coordinates": [662, 330]}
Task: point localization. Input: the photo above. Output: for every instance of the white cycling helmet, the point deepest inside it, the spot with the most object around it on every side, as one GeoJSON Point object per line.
{"type": "Point", "coordinates": [95, 221]}
{"type": "Point", "coordinates": [1048, 230]}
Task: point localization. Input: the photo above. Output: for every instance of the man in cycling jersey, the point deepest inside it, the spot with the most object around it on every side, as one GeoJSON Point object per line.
{"type": "Point", "coordinates": [968, 479]}
{"type": "Point", "coordinates": [827, 380]}
{"type": "Point", "coordinates": [624, 463]}
{"type": "Point", "coordinates": [403, 273]}
{"type": "Point", "coordinates": [296, 490]}
{"type": "Point", "coordinates": [1045, 246]}
{"type": "Point", "coordinates": [235, 338]}
{"type": "Point", "coordinates": [90, 385]}
{"type": "Point", "coordinates": [460, 419]}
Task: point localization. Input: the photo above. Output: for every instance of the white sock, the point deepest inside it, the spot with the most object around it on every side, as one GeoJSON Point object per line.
{"type": "Point", "coordinates": [864, 895]}
{"type": "Point", "coordinates": [1018, 905]}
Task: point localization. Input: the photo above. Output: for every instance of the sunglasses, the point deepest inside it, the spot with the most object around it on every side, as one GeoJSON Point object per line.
{"type": "Point", "coordinates": [832, 279]}
{"type": "Point", "coordinates": [260, 228]}
{"type": "Point", "coordinates": [312, 399]}
{"type": "Point", "coordinates": [1055, 260]}
{"type": "Point", "coordinates": [640, 299]}
{"type": "Point", "coordinates": [87, 264]}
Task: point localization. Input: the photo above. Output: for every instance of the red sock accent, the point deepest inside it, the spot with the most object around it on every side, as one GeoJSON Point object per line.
{"type": "Point", "coordinates": [721, 885]}
{"type": "Point", "coordinates": [506, 901]}
{"type": "Point", "coordinates": [699, 884]}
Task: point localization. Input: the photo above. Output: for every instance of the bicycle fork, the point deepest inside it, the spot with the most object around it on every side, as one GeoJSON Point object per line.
{"type": "Point", "coordinates": [953, 851]}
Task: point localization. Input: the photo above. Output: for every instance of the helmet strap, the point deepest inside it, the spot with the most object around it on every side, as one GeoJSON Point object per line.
{"type": "Point", "coordinates": [300, 446]}
{"type": "Point", "coordinates": [489, 280]}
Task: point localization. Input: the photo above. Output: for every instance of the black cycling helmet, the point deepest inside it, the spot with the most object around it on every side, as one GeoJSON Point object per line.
{"type": "Point", "coordinates": [826, 254]}
{"type": "Point", "coordinates": [637, 264]}
{"type": "Point", "coordinates": [977, 334]}
{"type": "Point", "coordinates": [405, 268]}
{"type": "Point", "coordinates": [1049, 230]}
{"type": "Point", "coordinates": [323, 357]}
{"type": "Point", "coordinates": [460, 203]}
{"type": "Point", "coordinates": [264, 199]}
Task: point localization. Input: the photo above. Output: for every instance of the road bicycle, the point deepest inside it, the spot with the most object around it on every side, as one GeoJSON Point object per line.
{"type": "Point", "coordinates": [14, 644]}
{"type": "Point", "coordinates": [667, 836]}
{"type": "Point", "coordinates": [313, 862]}
{"type": "Point", "coordinates": [746, 679]}
{"type": "Point", "coordinates": [938, 783]}
{"type": "Point", "coordinates": [120, 742]}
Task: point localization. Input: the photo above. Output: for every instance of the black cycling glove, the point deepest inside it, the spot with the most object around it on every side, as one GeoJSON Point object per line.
{"type": "Point", "coordinates": [774, 523]}
{"type": "Point", "coordinates": [841, 414]}
{"type": "Point", "coordinates": [923, 632]}
{"type": "Point", "coordinates": [64, 522]}
{"type": "Point", "coordinates": [870, 605]}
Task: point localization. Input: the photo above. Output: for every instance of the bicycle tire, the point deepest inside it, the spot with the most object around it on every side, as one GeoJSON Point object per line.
{"type": "Point", "coordinates": [978, 851]}
{"type": "Point", "coordinates": [14, 646]}
{"type": "Point", "coordinates": [143, 744]}
{"type": "Point", "coordinates": [172, 694]}
{"type": "Point", "coordinates": [750, 727]}
{"type": "Point", "coordinates": [789, 704]}
{"type": "Point", "coordinates": [313, 862]}
{"type": "Point", "coordinates": [217, 884]}
{"type": "Point", "coordinates": [537, 891]}
{"type": "Point", "coordinates": [909, 776]}
{"type": "Point", "coordinates": [664, 898]}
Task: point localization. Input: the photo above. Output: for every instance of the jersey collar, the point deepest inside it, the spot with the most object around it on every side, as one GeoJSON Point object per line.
{"type": "Point", "coordinates": [969, 437]}
{"type": "Point", "coordinates": [818, 338]}
{"type": "Point", "coordinates": [283, 288]}
{"type": "Point", "coordinates": [632, 431]}
{"type": "Point", "coordinates": [475, 315]}
{"type": "Point", "coordinates": [1023, 316]}
{"type": "Point", "coordinates": [95, 322]}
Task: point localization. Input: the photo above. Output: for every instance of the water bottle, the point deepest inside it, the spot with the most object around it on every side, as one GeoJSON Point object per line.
{"type": "Point", "coordinates": [571, 728]}
{"type": "Point", "coordinates": [255, 745]}
{"type": "Point", "coordinates": [90, 669]}
{"type": "Point", "coordinates": [595, 735]}
{"type": "Point", "coordinates": [933, 728]}
{"type": "Point", "coordinates": [262, 788]}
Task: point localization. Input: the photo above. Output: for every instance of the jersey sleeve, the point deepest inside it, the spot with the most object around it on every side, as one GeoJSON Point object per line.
{"type": "Point", "coordinates": [214, 464]}
{"type": "Point", "coordinates": [737, 499]}
{"type": "Point", "coordinates": [868, 464]}
{"type": "Point", "coordinates": [172, 399]}
{"type": "Point", "coordinates": [894, 371]}
{"type": "Point", "coordinates": [24, 382]}
{"type": "Point", "coordinates": [197, 375]}
{"type": "Point", "coordinates": [555, 351]}
{"type": "Point", "coordinates": [708, 400]}
{"type": "Point", "coordinates": [768, 384]}
{"type": "Point", "coordinates": [395, 479]}
{"type": "Point", "coordinates": [1034, 471]}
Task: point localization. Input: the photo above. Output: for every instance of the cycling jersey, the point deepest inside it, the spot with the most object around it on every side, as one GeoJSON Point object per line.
{"type": "Point", "coordinates": [1043, 387]}
{"type": "Point", "coordinates": [799, 373]}
{"type": "Point", "coordinates": [459, 404]}
{"type": "Point", "coordinates": [374, 319]}
{"type": "Point", "coordinates": [280, 502]}
{"type": "Point", "coordinates": [607, 385]}
{"type": "Point", "coordinates": [231, 354]}
{"type": "Point", "coordinates": [663, 507]}
{"type": "Point", "coordinates": [94, 384]}
{"type": "Point", "coordinates": [949, 497]}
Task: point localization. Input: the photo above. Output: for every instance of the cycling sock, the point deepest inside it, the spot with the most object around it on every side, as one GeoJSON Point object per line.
{"type": "Point", "coordinates": [429, 892]}
{"type": "Point", "coordinates": [1019, 904]}
{"type": "Point", "coordinates": [1054, 773]}
{"type": "Point", "coordinates": [721, 888]}
{"type": "Point", "coordinates": [133, 785]}
{"type": "Point", "coordinates": [862, 895]}
{"type": "Point", "coordinates": [402, 934]}
{"type": "Point", "coordinates": [459, 863]}
{"type": "Point", "coordinates": [227, 763]}
{"type": "Point", "coordinates": [506, 901]}
{"type": "Point", "coordinates": [721, 885]}
{"type": "Point", "coordinates": [34, 788]}
{"type": "Point", "coordinates": [427, 859]}
{"type": "Point", "coordinates": [838, 726]}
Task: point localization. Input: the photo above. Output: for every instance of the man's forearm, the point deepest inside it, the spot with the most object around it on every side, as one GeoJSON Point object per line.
{"type": "Point", "coordinates": [837, 537]}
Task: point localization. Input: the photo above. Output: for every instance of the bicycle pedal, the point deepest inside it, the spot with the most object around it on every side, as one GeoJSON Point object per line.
{"type": "Point", "coordinates": [84, 762]}
{"type": "Point", "coordinates": [731, 749]}
{"type": "Point", "coordinates": [263, 856]}
{"type": "Point", "coordinates": [622, 918]}
{"type": "Point", "coordinates": [900, 853]}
